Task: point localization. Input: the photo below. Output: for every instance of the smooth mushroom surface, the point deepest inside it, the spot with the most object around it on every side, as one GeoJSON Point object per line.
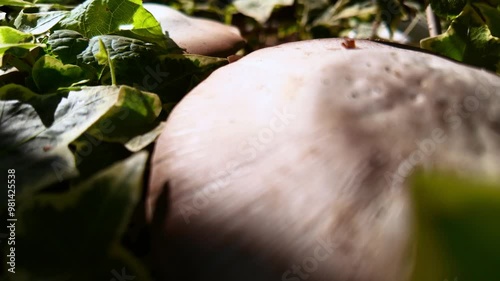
{"type": "Point", "coordinates": [196, 35]}
{"type": "Point", "coordinates": [291, 163]}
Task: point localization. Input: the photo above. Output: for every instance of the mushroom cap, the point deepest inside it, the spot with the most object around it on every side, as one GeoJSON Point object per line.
{"type": "Point", "coordinates": [197, 36]}
{"type": "Point", "coordinates": [309, 144]}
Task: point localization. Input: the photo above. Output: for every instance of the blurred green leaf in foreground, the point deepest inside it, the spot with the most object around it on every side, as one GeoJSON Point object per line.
{"type": "Point", "coordinates": [458, 228]}
{"type": "Point", "coordinates": [78, 232]}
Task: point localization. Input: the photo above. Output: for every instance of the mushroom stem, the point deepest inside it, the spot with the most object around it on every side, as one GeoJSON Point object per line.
{"type": "Point", "coordinates": [432, 22]}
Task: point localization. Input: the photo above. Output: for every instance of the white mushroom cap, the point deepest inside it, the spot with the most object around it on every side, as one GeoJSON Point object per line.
{"type": "Point", "coordinates": [308, 141]}
{"type": "Point", "coordinates": [197, 36]}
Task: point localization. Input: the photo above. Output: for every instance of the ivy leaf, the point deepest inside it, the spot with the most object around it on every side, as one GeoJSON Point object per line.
{"type": "Point", "coordinates": [49, 74]}
{"type": "Point", "coordinates": [82, 228]}
{"type": "Point", "coordinates": [456, 222]}
{"type": "Point", "coordinates": [469, 40]}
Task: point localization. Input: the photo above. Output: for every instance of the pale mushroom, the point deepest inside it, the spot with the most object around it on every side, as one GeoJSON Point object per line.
{"type": "Point", "coordinates": [290, 164]}
{"type": "Point", "coordinates": [196, 35]}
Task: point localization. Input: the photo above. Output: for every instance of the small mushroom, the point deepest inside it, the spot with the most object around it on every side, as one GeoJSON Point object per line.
{"type": "Point", "coordinates": [197, 36]}
{"type": "Point", "coordinates": [290, 164]}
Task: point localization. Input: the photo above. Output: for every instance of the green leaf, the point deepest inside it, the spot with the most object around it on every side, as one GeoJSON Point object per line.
{"type": "Point", "coordinates": [133, 114]}
{"type": "Point", "coordinates": [93, 155]}
{"type": "Point", "coordinates": [11, 75]}
{"type": "Point", "coordinates": [14, 46]}
{"type": "Point", "coordinates": [67, 45]}
{"type": "Point", "coordinates": [457, 228]}
{"type": "Point", "coordinates": [102, 55]}
{"type": "Point", "coordinates": [127, 57]}
{"type": "Point", "coordinates": [21, 56]}
{"type": "Point", "coordinates": [447, 8]}
{"type": "Point", "coordinates": [491, 15]}
{"type": "Point", "coordinates": [469, 40]}
{"type": "Point", "coordinates": [101, 17]}
{"type": "Point", "coordinates": [179, 74]}
{"type": "Point", "coordinates": [16, 3]}
{"type": "Point", "coordinates": [39, 158]}
{"type": "Point", "coordinates": [141, 141]}
{"type": "Point", "coordinates": [9, 35]}
{"type": "Point", "coordinates": [118, 47]}
{"type": "Point", "coordinates": [38, 23]}
{"type": "Point", "coordinates": [39, 152]}
{"type": "Point", "coordinates": [49, 74]}
{"type": "Point", "coordinates": [165, 43]}
{"type": "Point", "coordinates": [62, 4]}
{"type": "Point", "coordinates": [44, 105]}
{"type": "Point", "coordinates": [19, 50]}
{"type": "Point", "coordinates": [137, 64]}
{"type": "Point", "coordinates": [103, 58]}
{"type": "Point", "coordinates": [81, 229]}
{"type": "Point", "coordinates": [259, 10]}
